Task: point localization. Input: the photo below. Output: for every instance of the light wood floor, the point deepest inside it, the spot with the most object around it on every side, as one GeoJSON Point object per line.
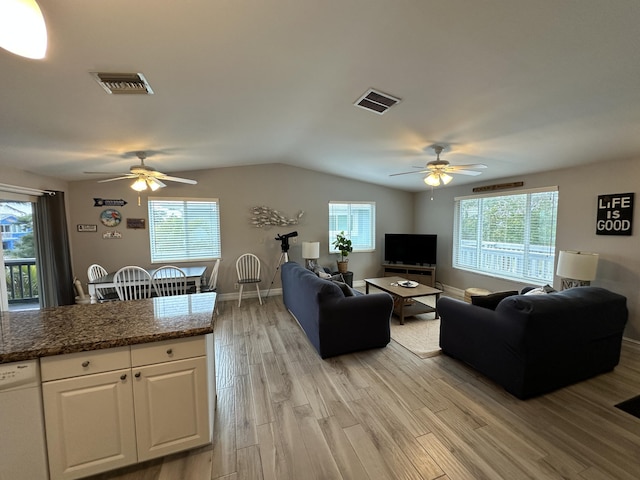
{"type": "Point", "coordinates": [283, 413]}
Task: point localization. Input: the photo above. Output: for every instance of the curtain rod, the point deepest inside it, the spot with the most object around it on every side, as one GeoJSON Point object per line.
{"type": "Point", "coordinates": [24, 190]}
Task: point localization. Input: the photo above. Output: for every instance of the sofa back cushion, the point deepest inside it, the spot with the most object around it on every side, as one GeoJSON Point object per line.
{"type": "Point", "coordinates": [492, 300]}
{"type": "Point", "coordinates": [541, 323]}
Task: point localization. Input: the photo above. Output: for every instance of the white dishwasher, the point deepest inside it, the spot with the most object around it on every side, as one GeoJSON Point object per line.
{"type": "Point", "coordinates": [23, 454]}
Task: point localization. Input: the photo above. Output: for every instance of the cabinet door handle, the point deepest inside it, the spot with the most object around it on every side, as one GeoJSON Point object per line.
{"type": "Point", "coordinates": [137, 375]}
{"type": "Point", "coordinates": [123, 376]}
{"type": "Point", "coordinates": [85, 364]}
{"type": "Point", "coordinates": [169, 351]}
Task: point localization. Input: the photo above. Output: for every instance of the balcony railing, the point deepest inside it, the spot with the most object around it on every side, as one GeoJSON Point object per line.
{"type": "Point", "coordinates": [508, 260]}
{"type": "Point", "coordinates": [22, 280]}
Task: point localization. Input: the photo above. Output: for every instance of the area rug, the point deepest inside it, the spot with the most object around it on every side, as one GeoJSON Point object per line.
{"type": "Point", "coordinates": [420, 334]}
{"type": "Point", "coordinates": [631, 406]}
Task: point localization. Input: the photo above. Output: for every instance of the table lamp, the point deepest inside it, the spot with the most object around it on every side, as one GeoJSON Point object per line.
{"type": "Point", "coordinates": [310, 252]}
{"type": "Point", "coordinates": [576, 269]}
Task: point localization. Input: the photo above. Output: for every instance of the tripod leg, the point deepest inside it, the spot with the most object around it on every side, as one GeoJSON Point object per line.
{"type": "Point", "coordinates": [283, 256]}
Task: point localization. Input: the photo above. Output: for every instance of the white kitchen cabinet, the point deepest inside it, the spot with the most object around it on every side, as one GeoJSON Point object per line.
{"type": "Point", "coordinates": [171, 407]}
{"type": "Point", "coordinates": [89, 422]}
{"type": "Point", "coordinates": [157, 402]}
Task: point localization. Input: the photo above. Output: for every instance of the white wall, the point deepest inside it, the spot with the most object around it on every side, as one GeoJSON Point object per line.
{"type": "Point", "coordinates": [619, 264]}
{"type": "Point", "coordinates": [282, 187]}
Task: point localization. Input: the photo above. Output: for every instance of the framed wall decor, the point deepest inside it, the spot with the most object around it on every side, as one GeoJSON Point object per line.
{"type": "Point", "coordinates": [82, 227]}
{"type": "Point", "coordinates": [110, 217]}
{"type": "Point", "coordinates": [615, 214]}
{"type": "Point", "coordinates": [137, 223]}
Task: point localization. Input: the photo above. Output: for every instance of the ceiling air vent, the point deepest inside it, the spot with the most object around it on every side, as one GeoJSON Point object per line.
{"type": "Point", "coordinates": [376, 101]}
{"type": "Point", "coordinates": [123, 83]}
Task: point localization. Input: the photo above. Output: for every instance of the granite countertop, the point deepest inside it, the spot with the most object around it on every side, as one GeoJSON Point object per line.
{"type": "Point", "coordinates": [32, 334]}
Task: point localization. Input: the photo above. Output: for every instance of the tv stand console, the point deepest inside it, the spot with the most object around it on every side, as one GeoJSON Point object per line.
{"type": "Point", "coordinates": [417, 273]}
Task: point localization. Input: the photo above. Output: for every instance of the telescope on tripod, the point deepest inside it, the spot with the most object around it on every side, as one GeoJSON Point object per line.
{"type": "Point", "coordinates": [285, 245]}
{"type": "Point", "coordinates": [284, 256]}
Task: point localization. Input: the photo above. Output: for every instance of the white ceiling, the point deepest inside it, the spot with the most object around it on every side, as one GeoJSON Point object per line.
{"type": "Point", "coordinates": [521, 86]}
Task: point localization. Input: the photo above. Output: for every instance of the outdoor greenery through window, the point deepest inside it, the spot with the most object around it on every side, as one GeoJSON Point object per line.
{"type": "Point", "coordinates": [510, 236]}
{"type": "Point", "coordinates": [184, 230]}
{"type": "Point", "coordinates": [19, 252]}
{"type": "Point", "coordinates": [358, 222]}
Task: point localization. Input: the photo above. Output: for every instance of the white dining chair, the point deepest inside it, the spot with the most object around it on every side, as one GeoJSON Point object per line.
{"type": "Point", "coordinates": [169, 280]}
{"type": "Point", "coordinates": [132, 283]}
{"type": "Point", "coordinates": [213, 278]}
{"type": "Point", "coordinates": [248, 269]}
{"type": "Point", "coordinates": [104, 294]}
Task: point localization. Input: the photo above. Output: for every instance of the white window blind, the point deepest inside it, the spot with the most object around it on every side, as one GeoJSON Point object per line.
{"type": "Point", "coordinates": [357, 220]}
{"type": "Point", "coordinates": [182, 229]}
{"type": "Point", "coordinates": [510, 236]}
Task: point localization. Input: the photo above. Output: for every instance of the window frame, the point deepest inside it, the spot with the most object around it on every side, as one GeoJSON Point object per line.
{"type": "Point", "coordinates": [349, 227]}
{"type": "Point", "coordinates": [527, 265]}
{"type": "Point", "coordinates": [199, 246]}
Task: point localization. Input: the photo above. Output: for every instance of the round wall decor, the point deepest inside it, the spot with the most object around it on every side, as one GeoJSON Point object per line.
{"type": "Point", "coordinates": [110, 217]}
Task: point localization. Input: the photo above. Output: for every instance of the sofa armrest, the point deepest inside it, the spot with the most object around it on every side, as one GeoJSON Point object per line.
{"type": "Point", "coordinates": [479, 337]}
{"type": "Point", "coordinates": [354, 323]}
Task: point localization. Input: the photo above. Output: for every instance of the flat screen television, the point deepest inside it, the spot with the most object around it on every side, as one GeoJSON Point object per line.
{"type": "Point", "coordinates": [410, 248]}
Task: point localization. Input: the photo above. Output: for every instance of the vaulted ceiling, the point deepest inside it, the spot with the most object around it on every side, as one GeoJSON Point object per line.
{"type": "Point", "coordinates": [518, 86]}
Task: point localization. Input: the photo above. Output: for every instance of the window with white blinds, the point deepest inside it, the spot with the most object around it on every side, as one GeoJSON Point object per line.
{"type": "Point", "coordinates": [358, 222]}
{"type": "Point", "coordinates": [184, 229]}
{"type": "Point", "coordinates": [511, 236]}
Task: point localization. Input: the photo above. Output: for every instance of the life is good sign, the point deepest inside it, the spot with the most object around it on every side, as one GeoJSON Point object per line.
{"type": "Point", "coordinates": [615, 214]}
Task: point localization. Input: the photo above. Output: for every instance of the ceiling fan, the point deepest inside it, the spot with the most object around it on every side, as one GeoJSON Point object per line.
{"type": "Point", "coordinates": [146, 176]}
{"type": "Point", "coordinates": [439, 170]}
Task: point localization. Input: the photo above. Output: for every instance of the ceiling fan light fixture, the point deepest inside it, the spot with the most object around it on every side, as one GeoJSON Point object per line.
{"type": "Point", "coordinates": [432, 180]}
{"type": "Point", "coordinates": [155, 184]}
{"type": "Point", "coordinates": [139, 185]}
{"type": "Point", "coordinates": [22, 28]}
{"type": "Point", "coordinates": [445, 178]}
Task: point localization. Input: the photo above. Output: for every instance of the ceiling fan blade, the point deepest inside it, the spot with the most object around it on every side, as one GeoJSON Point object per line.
{"type": "Point", "coordinates": [117, 178]}
{"type": "Point", "coordinates": [473, 165]}
{"type": "Point", "coordinates": [106, 173]}
{"type": "Point", "coordinates": [473, 173]}
{"type": "Point", "coordinates": [176, 179]}
{"type": "Point", "coordinates": [406, 173]}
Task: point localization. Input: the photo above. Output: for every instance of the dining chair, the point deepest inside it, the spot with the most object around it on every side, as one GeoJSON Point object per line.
{"type": "Point", "coordinates": [132, 283]}
{"type": "Point", "coordinates": [104, 294]}
{"type": "Point", "coordinates": [169, 280]}
{"type": "Point", "coordinates": [248, 268]}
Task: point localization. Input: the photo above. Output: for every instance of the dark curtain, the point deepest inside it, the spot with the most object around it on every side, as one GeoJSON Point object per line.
{"type": "Point", "coordinates": [55, 277]}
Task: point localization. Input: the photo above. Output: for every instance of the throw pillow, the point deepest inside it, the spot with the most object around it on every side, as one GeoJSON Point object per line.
{"type": "Point", "coordinates": [345, 288]}
{"type": "Point", "coordinates": [536, 291]}
{"type": "Point", "coordinates": [492, 300]}
{"type": "Point", "coordinates": [337, 278]}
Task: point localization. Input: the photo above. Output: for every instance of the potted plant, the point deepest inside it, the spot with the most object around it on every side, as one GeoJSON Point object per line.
{"type": "Point", "coordinates": [343, 244]}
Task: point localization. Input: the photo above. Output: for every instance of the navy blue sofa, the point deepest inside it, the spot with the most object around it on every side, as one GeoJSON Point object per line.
{"type": "Point", "coordinates": [334, 323]}
{"type": "Point", "coordinates": [533, 344]}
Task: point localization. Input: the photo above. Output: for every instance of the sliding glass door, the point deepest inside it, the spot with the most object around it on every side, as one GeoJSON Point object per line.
{"type": "Point", "coordinates": [19, 287]}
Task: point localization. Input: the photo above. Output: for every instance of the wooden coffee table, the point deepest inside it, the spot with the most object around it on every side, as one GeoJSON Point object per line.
{"type": "Point", "coordinates": [402, 294]}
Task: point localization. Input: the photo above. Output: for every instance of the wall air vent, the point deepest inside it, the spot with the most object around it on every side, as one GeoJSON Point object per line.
{"type": "Point", "coordinates": [376, 101]}
{"type": "Point", "coordinates": [123, 83]}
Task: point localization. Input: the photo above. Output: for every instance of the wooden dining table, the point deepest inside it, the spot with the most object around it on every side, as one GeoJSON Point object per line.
{"type": "Point", "coordinates": [193, 274]}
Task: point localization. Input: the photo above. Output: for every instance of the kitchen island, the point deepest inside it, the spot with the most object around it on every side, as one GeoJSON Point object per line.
{"type": "Point", "coordinates": [122, 382]}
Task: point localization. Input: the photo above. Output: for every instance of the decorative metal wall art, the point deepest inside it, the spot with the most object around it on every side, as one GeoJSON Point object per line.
{"type": "Point", "coordinates": [269, 217]}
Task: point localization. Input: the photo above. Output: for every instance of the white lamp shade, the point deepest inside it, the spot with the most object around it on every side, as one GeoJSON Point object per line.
{"type": "Point", "coordinates": [311, 250]}
{"type": "Point", "coordinates": [22, 28]}
{"type": "Point", "coordinates": [577, 265]}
